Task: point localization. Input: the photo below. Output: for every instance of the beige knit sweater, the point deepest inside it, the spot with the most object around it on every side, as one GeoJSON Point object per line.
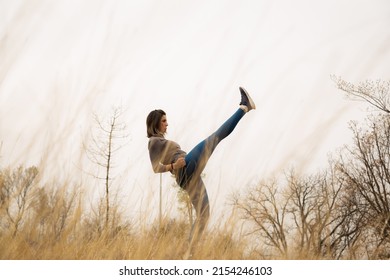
{"type": "Point", "coordinates": [163, 152]}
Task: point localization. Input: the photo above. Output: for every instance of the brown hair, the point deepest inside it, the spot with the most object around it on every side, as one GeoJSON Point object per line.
{"type": "Point", "coordinates": [153, 122]}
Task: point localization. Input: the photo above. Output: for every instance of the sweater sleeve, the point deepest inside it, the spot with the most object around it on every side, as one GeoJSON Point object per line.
{"type": "Point", "coordinates": [155, 149]}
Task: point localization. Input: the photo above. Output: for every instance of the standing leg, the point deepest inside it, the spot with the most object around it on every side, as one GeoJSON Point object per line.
{"type": "Point", "coordinates": [200, 201]}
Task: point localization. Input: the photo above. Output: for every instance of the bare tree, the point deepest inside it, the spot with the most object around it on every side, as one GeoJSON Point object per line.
{"type": "Point", "coordinates": [376, 93]}
{"type": "Point", "coordinates": [55, 210]}
{"type": "Point", "coordinates": [266, 210]}
{"type": "Point", "coordinates": [299, 218]}
{"type": "Point", "coordinates": [315, 209]}
{"type": "Point", "coordinates": [105, 143]}
{"type": "Point", "coordinates": [15, 187]}
{"type": "Point", "coordinates": [365, 167]}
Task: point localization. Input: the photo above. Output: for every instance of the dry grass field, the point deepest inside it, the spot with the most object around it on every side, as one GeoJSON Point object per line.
{"type": "Point", "coordinates": [55, 226]}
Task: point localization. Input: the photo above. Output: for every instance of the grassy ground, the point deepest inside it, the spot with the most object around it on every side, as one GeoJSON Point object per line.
{"type": "Point", "coordinates": [167, 242]}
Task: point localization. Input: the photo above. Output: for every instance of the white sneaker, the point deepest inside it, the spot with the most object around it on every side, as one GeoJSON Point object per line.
{"type": "Point", "coordinates": [246, 100]}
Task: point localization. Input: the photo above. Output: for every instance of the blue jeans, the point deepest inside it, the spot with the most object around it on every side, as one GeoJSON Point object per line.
{"type": "Point", "coordinates": [189, 177]}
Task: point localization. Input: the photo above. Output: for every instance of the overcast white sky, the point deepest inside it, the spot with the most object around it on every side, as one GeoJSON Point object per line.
{"type": "Point", "coordinates": [63, 60]}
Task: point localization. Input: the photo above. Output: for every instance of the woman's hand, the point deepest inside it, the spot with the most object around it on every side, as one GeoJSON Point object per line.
{"type": "Point", "coordinates": [181, 162]}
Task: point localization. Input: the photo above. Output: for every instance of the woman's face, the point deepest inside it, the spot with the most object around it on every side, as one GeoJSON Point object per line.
{"type": "Point", "coordinates": [163, 124]}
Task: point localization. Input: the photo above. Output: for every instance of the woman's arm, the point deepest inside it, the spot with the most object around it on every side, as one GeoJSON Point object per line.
{"type": "Point", "coordinates": [156, 146]}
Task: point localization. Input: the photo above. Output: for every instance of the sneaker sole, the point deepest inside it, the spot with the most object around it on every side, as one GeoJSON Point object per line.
{"type": "Point", "coordinates": [251, 102]}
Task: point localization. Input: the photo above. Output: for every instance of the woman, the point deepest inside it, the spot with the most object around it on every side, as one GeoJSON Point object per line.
{"type": "Point", "coordinates": [166, 155]}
